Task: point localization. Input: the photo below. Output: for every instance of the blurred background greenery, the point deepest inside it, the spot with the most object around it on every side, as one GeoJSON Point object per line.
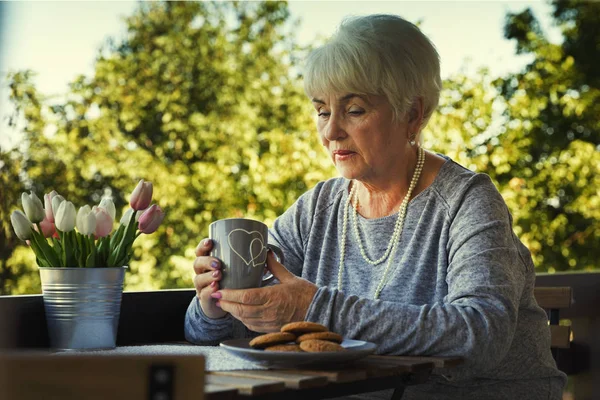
{"type": "Point", "coordinates": [205, 100]}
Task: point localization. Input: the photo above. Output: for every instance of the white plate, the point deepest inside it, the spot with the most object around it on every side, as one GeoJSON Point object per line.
{"type": "Point", "coordinates": [355, 349]}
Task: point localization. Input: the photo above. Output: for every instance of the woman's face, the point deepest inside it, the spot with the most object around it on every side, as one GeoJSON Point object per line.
{"type": "Point", "coordinates": [360, 133]}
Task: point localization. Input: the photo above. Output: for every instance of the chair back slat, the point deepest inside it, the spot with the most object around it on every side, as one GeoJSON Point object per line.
{"type": "Point", "coordinates": [553, 297]}
{"type": "Point", "coordinates": [560, 336]}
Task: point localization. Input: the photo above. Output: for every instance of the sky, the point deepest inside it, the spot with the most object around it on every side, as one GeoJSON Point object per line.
{"type": "Point", "coordinates": [59, 40]}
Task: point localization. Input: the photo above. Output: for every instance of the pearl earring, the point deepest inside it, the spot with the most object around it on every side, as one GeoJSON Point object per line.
{"type": "Point", "coordinates": [412, 140]}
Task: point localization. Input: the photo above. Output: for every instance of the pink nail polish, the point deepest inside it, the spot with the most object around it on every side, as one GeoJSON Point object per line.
{"type": "Point", "coordinates": [216, 295]}
{"type": "Point", "coordinates": [212, 284]}
{"type": "Point", "coordinates": [215, 274]}
{"type": "Point", "coordinates": [218, 304]}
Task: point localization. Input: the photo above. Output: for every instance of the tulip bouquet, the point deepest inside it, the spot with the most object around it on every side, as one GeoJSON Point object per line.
{"type": "Point", "coordinates": [50, 229]}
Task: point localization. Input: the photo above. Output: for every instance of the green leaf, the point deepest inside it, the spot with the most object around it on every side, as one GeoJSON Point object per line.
{"type": "Point", "coordinates": [91, 259]}
{"type": "Point", "coordinates": [44, 251]}
{"type": "Point", "coordinates": [116, 237]}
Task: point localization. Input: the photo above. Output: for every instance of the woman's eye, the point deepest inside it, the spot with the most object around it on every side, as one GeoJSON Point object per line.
{"type": "Point", "coordinates": [356, 112]}
{"type": "Point", "coordinates": [323, 114]}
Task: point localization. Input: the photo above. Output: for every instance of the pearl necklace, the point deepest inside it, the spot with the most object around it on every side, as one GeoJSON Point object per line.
{"type": "Point", "coordinates": [395, 235]}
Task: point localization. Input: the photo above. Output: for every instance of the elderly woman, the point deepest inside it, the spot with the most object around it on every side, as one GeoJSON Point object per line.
{"type": "Point", "coordinates": [407, 249]}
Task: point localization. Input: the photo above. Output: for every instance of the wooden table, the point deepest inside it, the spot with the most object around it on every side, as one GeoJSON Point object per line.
{"type": "Point", "coordinates": [197, 372]}
{"type": "Point", "coordinates": [370, 374]}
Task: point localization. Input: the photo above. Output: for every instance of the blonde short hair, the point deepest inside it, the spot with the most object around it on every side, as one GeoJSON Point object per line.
{"type": "Point", "coordinates": [381, 55]}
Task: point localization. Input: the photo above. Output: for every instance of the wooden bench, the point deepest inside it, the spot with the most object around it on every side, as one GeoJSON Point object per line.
{"type": "Point", "coordinates": [553, 299]}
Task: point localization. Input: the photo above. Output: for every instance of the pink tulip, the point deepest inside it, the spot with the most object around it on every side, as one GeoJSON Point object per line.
{"type": "Point", "coordinates": [151, 219]}
{"type": "Point", "coordinates": [48, 206]}
{"type": "Point", "coordinates": [48, 228]}
{"type": "Point", "coordinates": [141, 196]}
{"type": "Point", "coordinates": [104, 222]}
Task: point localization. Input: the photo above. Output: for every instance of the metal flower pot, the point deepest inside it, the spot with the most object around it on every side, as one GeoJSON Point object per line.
{"type": "Point", "coordinates": [82, 306]}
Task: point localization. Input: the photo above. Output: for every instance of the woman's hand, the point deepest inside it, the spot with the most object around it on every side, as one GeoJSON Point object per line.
{"type": "Point", "coordinates": [268, 309]}
{"type": "Point", "coordinates": [208, 274]}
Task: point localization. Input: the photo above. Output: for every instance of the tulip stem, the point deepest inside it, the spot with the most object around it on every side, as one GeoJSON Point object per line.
{"type": "Point", "coordinates": [63, 258]}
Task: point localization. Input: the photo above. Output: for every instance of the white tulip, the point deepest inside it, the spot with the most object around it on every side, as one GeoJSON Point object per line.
{"type": "Point", "coordinates": [56, 200]}
{"type": "Point", "coordinates": [109, 206]}
{"type": "Point", "coordinates": [65, 217]}
{"type": "Point", "coordinates": [89, 224]}
{"type": "Point", "coordinates": [86, 220]}
{"type": "Point", "coordinates": [21, 225]}
{"type": "Point", "coordinates": [125, 218]}
{"type": "Point", "coordinates": [83, 211]}
{"type": "Point", "coordinates": [33, 207]}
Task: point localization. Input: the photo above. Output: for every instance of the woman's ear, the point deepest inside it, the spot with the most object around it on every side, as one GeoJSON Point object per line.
{"type": "Point", "coordinates": [415, 119]}
{"type": "Point", "coordinates": [413, 114]}
{"type": "Point", "coordinates": [416, 111]}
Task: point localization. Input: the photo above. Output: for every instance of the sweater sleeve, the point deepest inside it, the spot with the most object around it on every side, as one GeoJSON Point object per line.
{"type": "Point", "coordinates": [202, 330]}
{"type": "Point", "coordinates": [290, 231]}
{"type": "Point", "coordinates": [476, 320]}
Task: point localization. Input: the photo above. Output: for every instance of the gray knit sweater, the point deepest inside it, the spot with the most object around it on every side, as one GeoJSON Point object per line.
{"type": "Point", "coordinates": [461, 284]}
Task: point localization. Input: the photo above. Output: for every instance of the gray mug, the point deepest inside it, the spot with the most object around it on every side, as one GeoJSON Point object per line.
{"type": "Point", "coordinates": [241, 245]}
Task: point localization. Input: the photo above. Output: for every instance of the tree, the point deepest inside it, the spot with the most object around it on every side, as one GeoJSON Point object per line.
{"type": "Point", "coordinates": [536, 133]}
{"type": "Point", "coordinates": [10, 273]}
{"type": "Point", "coordinates": [16, 259]}
{"type": "Point", "coordinates": [204, 100]}
{"type": "Point", "coordinates": [552, 108]}
{"type": "Point", "coordinates": [199, 98]}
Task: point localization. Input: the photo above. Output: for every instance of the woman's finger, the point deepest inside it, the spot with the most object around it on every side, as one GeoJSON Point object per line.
{"type": "Point", "coordinates": [204, 264]}
{"type": "Point", "coordinates": [205, 295]}
{"type": "Point", "coordinates": [208, 304]}
{"type": "Point", "coordinates": [204, 247]}
{"type": "Point", "coordinates": [245, 296]}
{"type": "Point", "coordinates": [243, 311]}
{"type": "Point", "coordinates": [260, 327]}
{"type": "Point", "coordinates": [203, 280]}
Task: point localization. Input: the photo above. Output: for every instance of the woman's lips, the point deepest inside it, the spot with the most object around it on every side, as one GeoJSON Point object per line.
{"type": "Point", "coordinates": [342, 155]}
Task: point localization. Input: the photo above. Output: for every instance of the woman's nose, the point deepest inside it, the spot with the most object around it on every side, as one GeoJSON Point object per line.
{"type": "Point", "coordinates": [334, 130]}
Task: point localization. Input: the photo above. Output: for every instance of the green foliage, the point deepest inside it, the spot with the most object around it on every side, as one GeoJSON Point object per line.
{"type": "Point", "coordinates": [199, 99]}
{"type": "Point", "coordinates": [553, 107]}
{"type": "Point", "coordinates": [537, 134]}
{"type": "Point", "coordinates": [11, 271]}
{"type": "Point", "coordinates": [203, 99]}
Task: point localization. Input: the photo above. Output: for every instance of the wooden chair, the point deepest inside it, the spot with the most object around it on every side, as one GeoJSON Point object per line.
{"type": "Point", "coordinates": [552, 299]}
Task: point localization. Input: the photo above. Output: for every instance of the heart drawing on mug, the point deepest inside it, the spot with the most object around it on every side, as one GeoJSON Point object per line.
{"type": "Point", "coordinates": [256, 247]}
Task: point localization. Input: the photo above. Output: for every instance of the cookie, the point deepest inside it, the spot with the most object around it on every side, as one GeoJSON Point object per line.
{"type": "Point", "coordinates": [317, 346]}
{"type": "Point", "coordinates": [271, 339]}
{"type": "Point", "coordinates": [285, 347]}
{"type": "Point", "coordinates": [329, 336]}
{"type": "Point", "coordinates": [303, 327]}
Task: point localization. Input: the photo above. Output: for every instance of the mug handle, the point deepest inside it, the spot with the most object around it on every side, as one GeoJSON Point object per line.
{"type": "Point", "coordinates": [279, 255]}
